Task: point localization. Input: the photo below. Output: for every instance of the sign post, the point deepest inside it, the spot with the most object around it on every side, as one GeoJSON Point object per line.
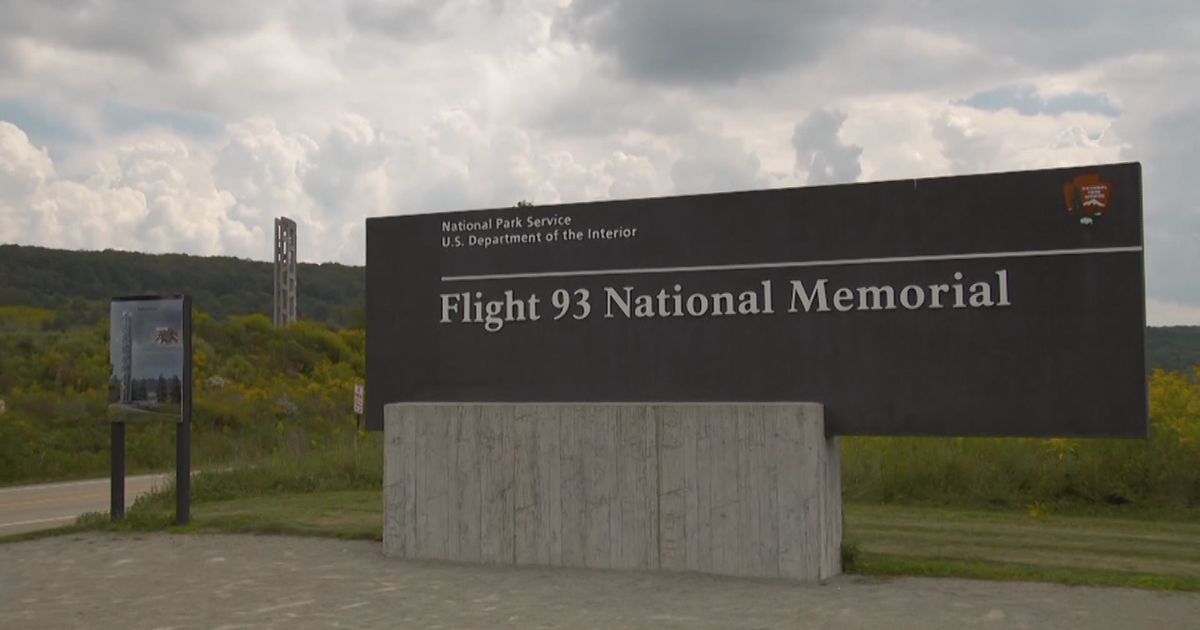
{"type": "Point", "coordinates": [151, 381]}
{"type": "Point", "coordinates": [117, 479]}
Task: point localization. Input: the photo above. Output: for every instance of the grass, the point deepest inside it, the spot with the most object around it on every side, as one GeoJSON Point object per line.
{"type": "Point", "coordinates": [346, 514]}
{"type": "Point", "coordinates": [309, 478]}
{"type": "Point", "coordinates": [131, 471]}
{"type": "Point", "coordinates": [1121, 549]}
{"type": "Point", "coordinates": [338, 494]}
{"type": "Point", "coordinates": [50, 436]}
{"type": "Point", "coordinates": [88, 522]}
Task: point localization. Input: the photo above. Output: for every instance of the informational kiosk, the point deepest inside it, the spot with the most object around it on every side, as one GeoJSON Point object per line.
{"type": "Point", "coordinates": [661, 383]}
{"type": "Point", "coordinates": [150, 380]}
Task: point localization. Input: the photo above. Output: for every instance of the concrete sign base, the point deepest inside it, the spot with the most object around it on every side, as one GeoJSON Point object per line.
{"type": "Point", "coordinates": [750, 490]}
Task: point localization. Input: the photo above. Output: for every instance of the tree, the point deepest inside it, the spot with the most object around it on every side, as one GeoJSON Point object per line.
{"type": "Point", "coordinates": [176, 391]}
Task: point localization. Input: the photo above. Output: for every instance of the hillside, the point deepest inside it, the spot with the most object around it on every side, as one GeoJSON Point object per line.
{"type": "Point", "coordinates": [77, 286]}
{"type": "Point", "coordinates": [260, 390]}
{"type": "Point", "coordinates": [284, 395]}
{"type": "Point", "coordinates": [1173, 348]}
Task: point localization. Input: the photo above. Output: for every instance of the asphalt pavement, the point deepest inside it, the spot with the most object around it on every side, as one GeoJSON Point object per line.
{"type": "Point", "coordinates": [44, 506]}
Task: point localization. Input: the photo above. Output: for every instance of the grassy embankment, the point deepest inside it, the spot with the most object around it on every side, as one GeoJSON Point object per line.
{"type": "Point", "coordinates": [1094, 511]}
{"type": "Point", "coordinates": [259, 392]}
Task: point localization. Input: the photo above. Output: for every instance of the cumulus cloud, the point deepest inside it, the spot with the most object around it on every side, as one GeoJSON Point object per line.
{"type": "Point", "coordinates": [1058, 35]}
{"type": "Point", "coordinates": [1170, 159]}
{"type": "Point", "coordinates": [159, 32]}
{"type": "Point", "coordinates": [152, 195]}
{"type": "Point", "coordinates": [410, 21]}
{"type": "Point", "coordinates": [698, 42]}
{"type": "Point", "coordinates": [189, 126]}
{"type": "Point", "coordinates": [821, 153]}
{"type": "Point", "coordinates": [158, 194]}
{"type": "Point", "coordinates": [967, 148]}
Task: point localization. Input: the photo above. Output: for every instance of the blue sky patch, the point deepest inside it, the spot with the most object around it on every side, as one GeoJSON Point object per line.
{"type": "Point", "coordinates": [59, 134]}
{"type": "Point", "coordinates": [122, 119]}
{"type": "Point", "coordinates": [1025, 100]}
{"type": "Point", "coordinates": [44, 128]}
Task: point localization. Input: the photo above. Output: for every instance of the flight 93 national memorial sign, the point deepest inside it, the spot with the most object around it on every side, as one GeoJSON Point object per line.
{"type": "Point", "coordinates": [1004, 304]}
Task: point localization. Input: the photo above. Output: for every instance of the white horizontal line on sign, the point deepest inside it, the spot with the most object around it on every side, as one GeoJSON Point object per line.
{"type": "Point", "coordinates": [803, 263]}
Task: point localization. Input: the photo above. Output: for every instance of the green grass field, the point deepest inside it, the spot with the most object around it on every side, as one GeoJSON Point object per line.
{"type": "Point", "coordinates": [338, 495]}
{"type": "Point", "coordinates": [1128, 550]}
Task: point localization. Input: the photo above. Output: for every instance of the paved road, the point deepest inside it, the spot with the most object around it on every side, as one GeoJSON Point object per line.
{"type": "Point", "coordinates": [29, 508]}
{"type": "Point", "coordinates": [194, 582]}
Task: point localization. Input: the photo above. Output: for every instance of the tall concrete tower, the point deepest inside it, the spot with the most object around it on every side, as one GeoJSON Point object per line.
{"type": "Point", "coordinates": [285, 271]}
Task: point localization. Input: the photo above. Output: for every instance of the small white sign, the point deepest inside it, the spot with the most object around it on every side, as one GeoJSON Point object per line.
{"type": "Point", "coordinates": [358, 398]}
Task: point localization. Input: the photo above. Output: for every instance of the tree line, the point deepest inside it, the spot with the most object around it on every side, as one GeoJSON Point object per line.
{"type": "Point", "coordinates": [77, 287]}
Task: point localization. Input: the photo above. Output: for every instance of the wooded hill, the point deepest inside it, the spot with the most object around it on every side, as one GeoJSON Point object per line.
{"type": "Point", "coordinates": [77, 285]}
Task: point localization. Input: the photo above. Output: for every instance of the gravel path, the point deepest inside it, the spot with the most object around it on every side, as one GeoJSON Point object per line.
{"type": "Point", "coordinates": [192, 582]}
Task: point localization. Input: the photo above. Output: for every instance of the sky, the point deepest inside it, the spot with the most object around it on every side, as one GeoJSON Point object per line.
{"type": "Point", "coordinates": [187, 126]}
{"type": "Point", "coordinates": [150, 359]}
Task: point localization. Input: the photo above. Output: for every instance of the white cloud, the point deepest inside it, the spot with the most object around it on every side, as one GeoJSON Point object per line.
{"type": "Point", "coordinates": [821, 153]}
{"type": "Point", "coordinates": [190, 127]}
{"type": "Point", "coordinates": [152, 194]}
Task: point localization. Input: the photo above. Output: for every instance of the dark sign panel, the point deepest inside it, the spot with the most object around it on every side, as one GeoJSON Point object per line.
{"type": "Point", "coordinates": [1007, 304]}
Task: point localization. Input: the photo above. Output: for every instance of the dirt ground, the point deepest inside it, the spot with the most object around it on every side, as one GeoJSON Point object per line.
{"type": "Point", "coordinates": [161, 582]}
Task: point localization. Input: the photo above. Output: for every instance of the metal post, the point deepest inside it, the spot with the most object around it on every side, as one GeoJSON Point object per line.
{"type": "Point", "coordinates": [183, 431]}
{"type": "Point", "coordinates": [117, 491]}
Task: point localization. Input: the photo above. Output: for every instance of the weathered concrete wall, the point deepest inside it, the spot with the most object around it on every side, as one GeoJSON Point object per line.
{"type": "Point", "coordinates": [746, 490]}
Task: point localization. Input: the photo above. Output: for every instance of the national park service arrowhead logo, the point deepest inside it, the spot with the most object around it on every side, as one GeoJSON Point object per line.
{"type": "Point", "coordinates": [1087, 197]}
